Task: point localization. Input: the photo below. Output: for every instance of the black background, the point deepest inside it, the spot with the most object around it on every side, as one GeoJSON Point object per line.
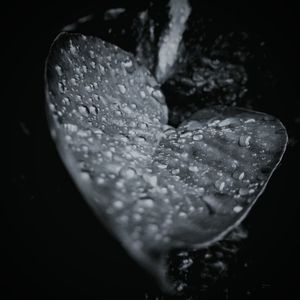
{"type": "Point", "coordinates": [54, 246]}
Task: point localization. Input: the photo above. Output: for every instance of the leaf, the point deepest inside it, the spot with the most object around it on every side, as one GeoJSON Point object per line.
{"type": "Point", "coordinates": [154, 186]}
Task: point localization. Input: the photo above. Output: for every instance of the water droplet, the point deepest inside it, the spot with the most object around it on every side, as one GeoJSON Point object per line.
{"type": "Point", "coordinates": [124, 219]}
{"type": "Point", "coordinates": [113, 168]}
{"type": "Point", "coordinates": [137, 217]}
{"type": "Point", "coordinates": [108, 154]}
{"type": "Point", "coordinates": [58, 70]}
{"type": "Point", "coordinates": [193, 168]}
{"type": "Point", "coordinates": [181, 286]}
{"type": "Point", "coordinates": [186, 134]}
{"type": "Point", "coordinates": [213, 122]}
{"type": "Point", "coordinates": [66, 101]}
{"type": "Point", "coordinates": [85, 148]}
{"type": "Point", "coordinates": [118, 204]}
{"type": "Point", "coordinates": [149, 89]}
{"type": "Point", "coordinates": [147, 203]}
{"type": "Point", "coordinates": [102, 69]}
{"type": "Point", "coordinates": [161, 166]}
{"type": "Point", "coordinates": [184, 155]}
{"type": "Point", "coordinates": [238, 175]}
{"type": "Point", "coordinates": [83, 110]}
{"type": "Point", "coordinates": [92, 54]}
{"type": "Point", "coordinates": [84, 68]}
{"type": "Point", "coordinates": [186, 263]}
{"type": "Point", "coordinates": [182, 214]}
{"type": "Point", "coordinates": [158, 95]}
{"type": "Point", "coordinates": [140, 139]}
{"type": "Point", "coordinates": [219, 184]}
{"type": "Point", "coordinates": [61, 87]}
{"type": "Point", "coordinates": [143, 94]}
{"type": "Point", "coordinates": [143, 126]}
{"type": "Point", "coordinates": [151, 179]}
{"type": "Point", "coordinates": [71, 127]}
{"type": "Point", "coordinates": [84, 133]}
{"type": "Point", "coordinates": [128, 172]}
{"type": "Point", "coordinates": [127, 110]}
{"type": "Point", "coordinates": [175, 171]}
{"type": "Point", "coordinates": [78, 98]}
{"type": "Point", "coordinates": [229, 121]}
{"type": "Point", "coordinates": [237, 209]}
{"type": "Point", "coordinates": [94, 110]}
{"type": "Point", "coordinates": [88, 88]}
{"type": "Point", "coordinates": [128, 65]}
{"type": "Point", "coordinates": [93, 64]}
{"type": "Point", "coordinates": [85, 175]}
{"type": "Point", "coordinates": [52, 107]}
{"type": "Point", "coordinates": [201, 191]}
{"type": "Point", "coordinates": [197, 137]}
{"type": "Point", "coordinates": [170, 133]}
{"type": "Point", "coordinates": [120, 184]}
{"type": "Point", "coordinates": [164, 190]}
{"type": "Point", "coordinates": [72, 48]}
{"type": "Point", "coordinates": [244, 140]}
{"type": "Point", "coordinates": [133, 105]}
{"type": "Point", "coordinates": [132, 124]}
{"type": "Point", "coordinates": [243, 191]}
{"type": "Point", "coordinates": [100, 180]}
{"type": "Point", "coordinates": [68, 138]}
{"type": "Point", "coordinates": [73, 81]}
{"type": "Point", "coordinates": [193, 125]}
{"type": "Point", "coordinates": [122, 88]}
{"type": "Point", "coordinates": [152, 228]}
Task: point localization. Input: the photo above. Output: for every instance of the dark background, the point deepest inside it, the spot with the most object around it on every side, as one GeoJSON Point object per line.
{"type": "Point", "coordinates": [54, 246]}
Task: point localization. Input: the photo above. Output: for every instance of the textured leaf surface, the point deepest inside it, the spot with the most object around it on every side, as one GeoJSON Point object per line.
{"type": "Point", "coordinates": [155, 186]}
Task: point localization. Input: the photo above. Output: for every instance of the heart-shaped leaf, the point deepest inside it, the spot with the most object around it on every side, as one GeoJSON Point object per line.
{"type": "Point", "coordinates": [155, 186]}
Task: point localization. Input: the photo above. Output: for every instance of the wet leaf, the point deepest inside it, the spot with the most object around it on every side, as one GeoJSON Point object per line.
{"type": "Point", "coordinates": [155, 186]}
